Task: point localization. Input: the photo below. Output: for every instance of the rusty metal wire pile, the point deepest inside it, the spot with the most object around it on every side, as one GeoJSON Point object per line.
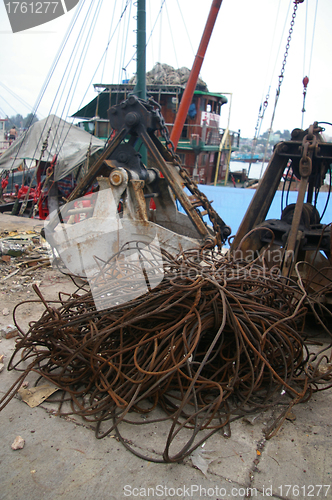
{"type": "Point", "coordinates": [216, 339]}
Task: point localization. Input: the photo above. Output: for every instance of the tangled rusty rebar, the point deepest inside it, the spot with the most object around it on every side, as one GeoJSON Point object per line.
{"type": "Point", "coordinates": [216, 339]}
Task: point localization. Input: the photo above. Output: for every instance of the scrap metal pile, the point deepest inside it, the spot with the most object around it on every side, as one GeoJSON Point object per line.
{"type": "Point", "coordinates": [218, 338]}
{"type": "Point", "coordinates": [189, 341]}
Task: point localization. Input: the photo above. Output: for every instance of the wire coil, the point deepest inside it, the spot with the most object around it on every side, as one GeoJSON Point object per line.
{"type": "Point", "coordinates": [216, 339]}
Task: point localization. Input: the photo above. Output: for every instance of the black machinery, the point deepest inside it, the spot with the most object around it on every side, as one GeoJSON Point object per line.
{"type": "Point", "coordinates": [299, 230]}
{"type": "Point", "coordinates": [120, 211]}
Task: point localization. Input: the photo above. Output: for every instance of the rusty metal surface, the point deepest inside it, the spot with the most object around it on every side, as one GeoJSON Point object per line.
{"type": "Point", "coordinates": [305, 168]}
{"type": "Point", "coordinates": [217, 339]}
{"type": "Point", "coordinates": [138, 119]}
{"type": "Point", "coordinates": [261, 201]}
{"type": "Point", "coordinates": [177, 189]}
{"type": "Point", "coordinates": [310, 159]}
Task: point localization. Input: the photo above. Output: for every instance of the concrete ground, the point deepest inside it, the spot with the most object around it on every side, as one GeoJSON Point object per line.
{"type": "Point", "coordinates": [62, 459]}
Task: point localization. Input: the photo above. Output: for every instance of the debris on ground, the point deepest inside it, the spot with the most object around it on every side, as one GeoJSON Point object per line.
{"type": "Point", "coordinates": [18, 443]}
{"type": "Point", "coordinates": [8, 332]}
{"type": "Point", "coordinates": [30, 253]}
{"type": "Point", "coordinates": [201, 459]}
{"type": "Point", "coordinates": [36, 395]}
{"type": "Point", "coordinates": [16, 243]}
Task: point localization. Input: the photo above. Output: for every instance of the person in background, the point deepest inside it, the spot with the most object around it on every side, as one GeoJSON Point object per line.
{"type": "Point", "coordinates": [12, 134]}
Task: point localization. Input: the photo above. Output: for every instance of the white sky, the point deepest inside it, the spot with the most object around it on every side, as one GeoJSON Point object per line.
{"type": "Point", "coordinates": [244, 57]}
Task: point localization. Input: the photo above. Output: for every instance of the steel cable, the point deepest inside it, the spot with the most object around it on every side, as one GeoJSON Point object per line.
{"type": "Point", "coordinates": [216, 339]}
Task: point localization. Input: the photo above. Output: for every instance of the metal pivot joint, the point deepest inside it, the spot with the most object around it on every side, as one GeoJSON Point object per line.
{"type": "Point", "coordinates": [142, 119]}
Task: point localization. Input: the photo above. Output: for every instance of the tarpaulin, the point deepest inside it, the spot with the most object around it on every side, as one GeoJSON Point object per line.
{"type": "Point", "coordinates": [69, 142]}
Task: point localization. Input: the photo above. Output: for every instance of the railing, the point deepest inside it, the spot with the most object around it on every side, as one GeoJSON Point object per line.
{"type": "Point", "coordinates": [4, 145]}
{"type": "Point", "coordinates": [198, 134]}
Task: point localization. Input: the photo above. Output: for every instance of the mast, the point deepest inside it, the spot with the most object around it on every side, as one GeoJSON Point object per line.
{"type": "Point", "coordinates": [140, 88]}
{"type": "Point", "coordinates": [194, 74]}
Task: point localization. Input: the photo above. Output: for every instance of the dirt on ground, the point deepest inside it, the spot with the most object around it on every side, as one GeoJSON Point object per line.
{"type": "Point", "coordinates": [26, 268]}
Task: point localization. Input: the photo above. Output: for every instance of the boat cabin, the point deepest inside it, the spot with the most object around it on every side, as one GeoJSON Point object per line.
{"type": "Point", "coordinates": [4, 143]}
{"type": "Point", "coordinates": [201, 136]}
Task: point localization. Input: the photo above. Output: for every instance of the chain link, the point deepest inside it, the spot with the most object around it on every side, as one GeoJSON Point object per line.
{"type": "Point", "coordinates": [281, 76]}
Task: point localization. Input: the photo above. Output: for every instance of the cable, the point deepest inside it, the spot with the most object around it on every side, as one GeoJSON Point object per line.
{"type": "Point", "coordinates": [59, 53]}
{"type": "Point", "coordinates": [109, 36]}
{"type": "Point", "coordinates": [67, 71]}
{"type": "Point", "coordinates": [281, 77]}
{"type": "Point", "coordinates": [4, 114]}
{"type": "Point", "coordinates": [22, 101]}
{"type": "Point", "coordinates": [151, 32]}
{"type": "Point", "coordinates": [124, 45]}
{"type": "Point", "coordinates": [48, 78]}
{"type": "Point", "coordinates": [78, 54]}
{"type": "Point", "coordinates": [216, 339]}
{"type": "Point", "coordinates": [90, 27]}
{"type": "Point", "coordinates": [2, 97]}
{"type": "Point", "coordinates": [313, 38]}
{"type": "Point", "coordinates": [306, 78]}
{"type": "Point", "coordinates": [264, 101]}
{"type": "Point", "coordinates": [171, 32]}
{"type": "Point", "coordinates": [185, 27]}
{"type": "Point", "coordinates": [160, 31]}
{"type": "Point", "coordinates": [305, 36]}
{"type": "Point", "coordinates": [281, 40]}
{"type": "Point", "coordinates": [151, 45]}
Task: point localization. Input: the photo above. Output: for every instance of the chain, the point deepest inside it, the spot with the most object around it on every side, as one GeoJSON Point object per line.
{"type": "Point", "coordinates": [281, 76]}
{"type": "Point", "coordinates": [261, 113]}
{"type": "Point", "coordinates": [309, 143]}
{"type": "Point", "coordinates": [221, 230]}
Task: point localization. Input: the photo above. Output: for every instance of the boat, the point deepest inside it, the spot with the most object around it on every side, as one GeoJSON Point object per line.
{"type": "Point", "coordinates": [246, 157]}
{"type": "Point", "coordinates": [201, 136]}
{"type": "Point", "coordinates": [50, 151]}
{"type": "Point", "coordinates": [138, 198]}
{"type": "Point", "coordinates": [200, 147]}
{"type": "Point", "coordinates": [113, 237]}
{"type": "Point", "coordinates": [4, 142]}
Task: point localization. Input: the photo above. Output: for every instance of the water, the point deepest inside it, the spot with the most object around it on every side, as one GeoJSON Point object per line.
{"type": "Point", "coordinates": [255, 170]}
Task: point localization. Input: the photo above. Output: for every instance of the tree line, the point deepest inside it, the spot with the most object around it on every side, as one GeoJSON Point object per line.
{"type": "Point", "coordinates": [285, 135]}
{"type": "Point", "coordinates": [20, 122]}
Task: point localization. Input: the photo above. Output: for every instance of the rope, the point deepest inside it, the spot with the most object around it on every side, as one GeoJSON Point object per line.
{"type": "Point", "coordinates": [20, 99]}
{"type": "Point", "coordinates": [118, 39]}
{"type": "Point", "coordinates": [125, 39]}
{"type": "Point", "coordinates": [50, 74]}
